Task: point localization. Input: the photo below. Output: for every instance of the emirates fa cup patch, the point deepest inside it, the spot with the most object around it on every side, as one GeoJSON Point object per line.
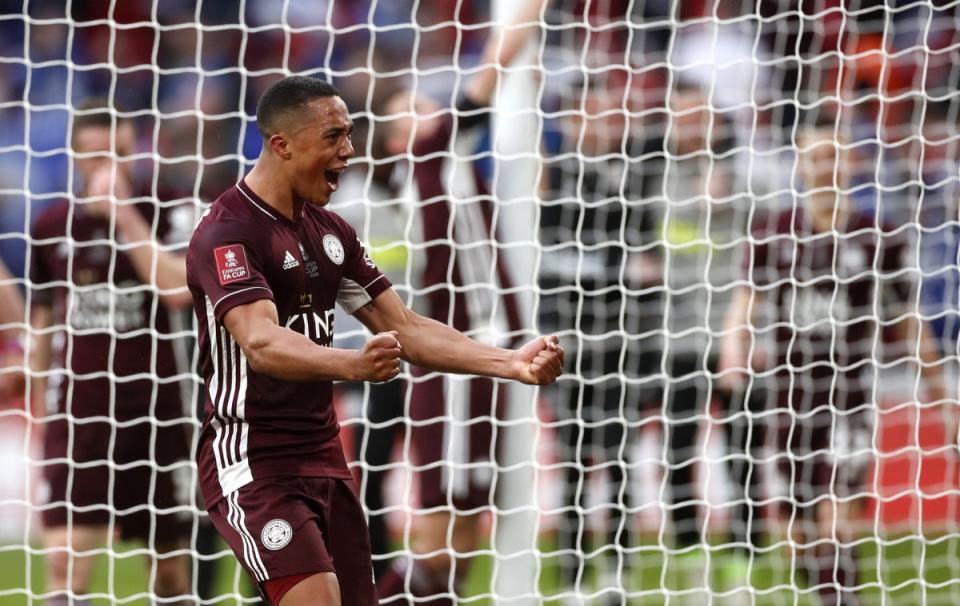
{"type": "Point", "coordinates": [231, 263]}
{"type": "Point", "coordinates": [334, 248]}
{"type": "Point", "coordinates": [276, 534]}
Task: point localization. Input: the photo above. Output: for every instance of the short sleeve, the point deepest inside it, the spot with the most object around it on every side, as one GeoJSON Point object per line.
{"type": "Point", "coordinates": [362, 282]}
{"type": "Point", "coordinates": [223, 262]}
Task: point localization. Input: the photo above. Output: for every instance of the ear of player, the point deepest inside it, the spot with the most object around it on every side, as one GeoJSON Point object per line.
{"type": "Point", "coordinates": [379, 360]}
{"type": "Point", "coordinates": [540, 361]}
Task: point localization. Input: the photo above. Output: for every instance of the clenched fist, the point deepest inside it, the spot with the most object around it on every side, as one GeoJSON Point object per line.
{"type": "Point", "coordinates": [379, 360]}
{"type": "Point", "coordinates": [539, 362]}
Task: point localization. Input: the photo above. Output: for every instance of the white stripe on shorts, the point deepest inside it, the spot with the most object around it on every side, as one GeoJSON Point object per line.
{"type": "Point", "coordinates": [251, 554]}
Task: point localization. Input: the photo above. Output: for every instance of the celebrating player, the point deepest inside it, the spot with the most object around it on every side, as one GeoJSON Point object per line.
{"type": "Point", "coordinates": [265, 267]}
{"type": "Point", "coordinates": [102, 283]}
{"type": "Point", "coordinates": [822, 271]}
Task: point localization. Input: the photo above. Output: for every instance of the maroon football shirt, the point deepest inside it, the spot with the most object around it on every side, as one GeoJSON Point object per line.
{"type": "Point", "coordinates": [114, 322]}
{"type": "Point", "coordinates": [243, 250]}
{"type": "Point", "coordinates": [827, 289]}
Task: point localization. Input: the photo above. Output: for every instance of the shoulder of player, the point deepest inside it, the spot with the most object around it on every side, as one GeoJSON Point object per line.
{"type": "Point", "coordinates": [221, 224]}
{"type": "Point", "coordinates": [328, 219]}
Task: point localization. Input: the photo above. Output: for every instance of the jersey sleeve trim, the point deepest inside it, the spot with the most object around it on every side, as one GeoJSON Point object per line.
{"type": "Point", "coordinates": [351, 296]}
{"type": "Point", "coordinates": [249, 295]}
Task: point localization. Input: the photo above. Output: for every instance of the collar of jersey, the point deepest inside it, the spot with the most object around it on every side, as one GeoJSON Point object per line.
{"type": "Point", "coordinates": [262, 206]}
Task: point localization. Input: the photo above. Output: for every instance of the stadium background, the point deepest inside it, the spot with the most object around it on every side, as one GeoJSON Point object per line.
{"type": "Point", "coordinates": [190, 72]}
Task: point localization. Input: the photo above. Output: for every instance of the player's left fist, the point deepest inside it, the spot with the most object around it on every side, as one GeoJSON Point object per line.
{"type": "Point", "coordinates": [539, 362]}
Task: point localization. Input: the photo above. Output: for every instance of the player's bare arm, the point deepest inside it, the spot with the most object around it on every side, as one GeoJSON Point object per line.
{"type": "Point", "coordinates": [931, 370]}
{"type": "Point", "coordinates": [434, 346]}
{"type": "Point", "coordinates": [41, 354]}
{"type": "Point", "coordinates": [11, 304]}
{"type": "Point", "coordinates": [735, 349]}
{"type": "Point", "coordinates": [282, 353]}
{"type": "Point", "coordinates": [502, 48]}
{"type": "Point", "coordinates": [165, 270]}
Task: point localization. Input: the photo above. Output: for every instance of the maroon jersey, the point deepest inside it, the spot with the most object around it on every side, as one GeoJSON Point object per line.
{"type": "Point", "coordinates": [114, 323]}
{"type": "Point", "coordinates": [243, 250]}
{"type": "Point", "coordinates": [828, 289]}
{"type": "Point", "coordinates": [458, 208]}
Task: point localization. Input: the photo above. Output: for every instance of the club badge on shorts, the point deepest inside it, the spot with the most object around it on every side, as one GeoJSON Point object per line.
{"type": "Point", "coordinates": [334, 248]}
{"type": "Point", "coordinates": [276, 534]}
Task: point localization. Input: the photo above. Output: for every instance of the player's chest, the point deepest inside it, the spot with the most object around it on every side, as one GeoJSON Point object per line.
{"type": "Point", "coordinates": [304, 261]}
{"type": "Point", "coordinates": [89, 257]}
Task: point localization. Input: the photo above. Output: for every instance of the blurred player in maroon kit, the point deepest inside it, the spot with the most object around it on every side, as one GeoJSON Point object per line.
{"type": "Point", "coordinates": [823, 270]}
{"type": "Point", "coordinates": [103, 282]}
{"type": "Point", "coordinates": [455, 493]}
{"type": "Point", "coordinates": [265, 267]}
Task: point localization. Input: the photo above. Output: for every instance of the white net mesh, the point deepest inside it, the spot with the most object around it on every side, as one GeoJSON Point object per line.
{"type": "Point", "coordinates": [680, 190]}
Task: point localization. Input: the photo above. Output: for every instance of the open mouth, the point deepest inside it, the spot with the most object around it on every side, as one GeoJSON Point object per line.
{"type": "Point", "coordinates": [333, 179]}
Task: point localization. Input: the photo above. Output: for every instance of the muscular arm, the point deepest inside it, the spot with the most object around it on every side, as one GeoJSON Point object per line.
{"type": "Point", "coordinates": [11, 305]}
{"type": "Point", "coordinates": [281, 353]}
{"type": "Point", "coordinates": [435, 346]}
{"type": "Point", "coordinates": [41, 355]}
{"type": "Point", "coordinates": [931, 367]}
{"type": "Point", "coordinates": [501, 49]}
{"type": "Point", "coordinates": [170, 276]}
{"type": "Point", "coordinates": [736, 339]}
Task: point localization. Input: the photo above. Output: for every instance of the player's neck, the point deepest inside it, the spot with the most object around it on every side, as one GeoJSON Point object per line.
{"type": "Point", "coordinates": [271, 190]}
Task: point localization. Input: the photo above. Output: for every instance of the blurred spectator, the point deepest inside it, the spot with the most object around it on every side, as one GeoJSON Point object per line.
{"type": "Point", "coordinates": [935, 184]}
{"type": "Point", "coordinates": [594, 224]}
{"type": "Point", "coordinates": [467, 286]}
{"type": "Point", "coordinates": [12, 323]}
{"type": "Point", "coordinates": [700, 210]}
{"type": "Point", "coordinates": [105, 266]}
{"type": "Point", "coordinates": [818, 274]}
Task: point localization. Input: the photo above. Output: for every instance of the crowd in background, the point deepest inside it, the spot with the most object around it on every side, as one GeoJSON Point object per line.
{"type": "Point", "coordinates": [619, 78]}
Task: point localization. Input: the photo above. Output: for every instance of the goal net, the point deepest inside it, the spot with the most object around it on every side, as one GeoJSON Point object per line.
{"type": "Point", "coordinates": [739, 216]}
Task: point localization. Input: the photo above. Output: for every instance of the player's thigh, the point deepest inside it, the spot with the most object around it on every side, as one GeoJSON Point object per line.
{"type": "Point", "coordinates": [76, 474]}
{"type": "Point", "coordinates": [152, 486]}
{"type": "Point", "coordinates": [348, 541]}
{"type": "Point", "coordinates": [322, 588]}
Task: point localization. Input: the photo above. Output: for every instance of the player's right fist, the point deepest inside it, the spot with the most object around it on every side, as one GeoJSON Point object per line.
{"type": "Point", "coordinates": [379, 360]}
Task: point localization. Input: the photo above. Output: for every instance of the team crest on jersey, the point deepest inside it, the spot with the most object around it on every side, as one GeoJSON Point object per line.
{"type": "Point", "coordinates": [231, 263]}
{"type": "Point", "coordinates": [334, 248]}
{"type": "Point", "coordinates": [276, 534]}
{"type": "Point", "coordinates": [289, 261]}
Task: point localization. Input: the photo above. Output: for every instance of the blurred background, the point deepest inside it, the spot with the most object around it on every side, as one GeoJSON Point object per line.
{"type": "Point", "coordinates": [601, 87]}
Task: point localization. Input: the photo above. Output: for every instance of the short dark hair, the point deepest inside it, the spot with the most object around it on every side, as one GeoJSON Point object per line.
{"type": "Point", "coordinates": [287, 96]}
{"type": "Point", "coordinates": [95, 113]}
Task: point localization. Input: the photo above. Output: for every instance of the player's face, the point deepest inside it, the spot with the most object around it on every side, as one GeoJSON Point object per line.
{"type": "Point", "coordinates": [689, 122]}
{"type": "Point", "coordinates": [100, 147]}
{"type": "Point", "coordinates": [320, 150]}
{"type": "Point", "coordinates": [823, 164]}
